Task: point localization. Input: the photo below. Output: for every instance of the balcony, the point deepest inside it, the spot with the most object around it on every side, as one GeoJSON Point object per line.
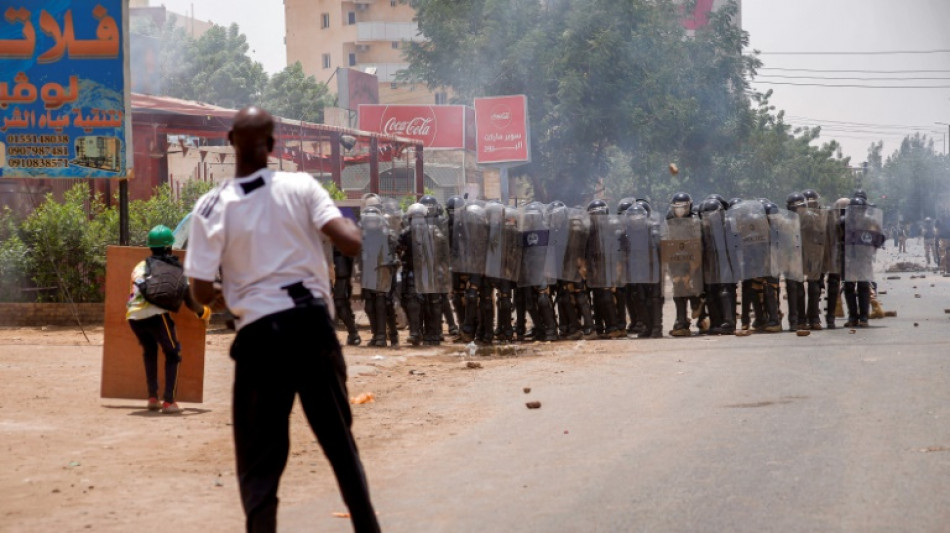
{"type": "Point", "coordinates": [387, 31]}
{"type": "Point", "coordinates": [385, 72]}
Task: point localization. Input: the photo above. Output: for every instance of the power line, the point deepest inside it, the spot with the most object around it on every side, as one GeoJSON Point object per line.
{"type": "Point", "coordinates": [857, 71]}
{"type": "Point", "coordinates": [854, 86]}
{"type": "Point", "coordinates": [852, 123]}
{"type": "Point", "coordinates": [873, 78]}
{"type": "Point", "coordinates": [856, 53]}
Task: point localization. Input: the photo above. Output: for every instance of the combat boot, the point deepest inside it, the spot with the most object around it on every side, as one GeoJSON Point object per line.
{"type": "Point", "coordinates": [681, 325]}
{"type": "Point", "coordinates": [773, 324]}
{"type": "Point", "coordinates": [656, 309]}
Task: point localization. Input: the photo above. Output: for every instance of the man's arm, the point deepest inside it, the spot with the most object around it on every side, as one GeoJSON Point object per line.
{"type": "Point", "coordinates": [345, 235]}
{"type": "Point", "coordinates": [203, 292]}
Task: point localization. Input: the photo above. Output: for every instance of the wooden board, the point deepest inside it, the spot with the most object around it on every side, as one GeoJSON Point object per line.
{"type": "Point", "coordinates": [123, 371]}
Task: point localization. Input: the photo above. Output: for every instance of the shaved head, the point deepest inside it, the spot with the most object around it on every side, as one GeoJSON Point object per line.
{"type": "Point", "coordinates": [252, 135]}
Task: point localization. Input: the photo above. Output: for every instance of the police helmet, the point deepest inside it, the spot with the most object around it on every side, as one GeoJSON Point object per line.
{"type": "Point", "coordinates": [811, 197]}
{"type": "Point", "coordinates": [795, 200]}
{"type": "Point", "coordinates": [718, 197]}
{"type": "Point", "coordinates": [734, 201]}
{"type": "Point", "coordinates": [371, 210]}
{"type": "Point", "coordinates": [432, 204]}
{"type": "Point", "coordinates": [857, 200]}
{"type": "Point", "coordinates": [416, 210]}
{"type": "Point", "coordinates": [681, 204]}
{"type": "Point", "coordinates": [842, 203]}
{"type": "Point", "coordinates": [369, 199]}
{"type": "Point", "coordinates": [556, 204]}
{"type": "Point", "coordinates": [859, 193]}
{"type": "Point", "coordinates": [770, 208]}
{"type": "Point", "coordinates": [598, 207]}
{"type": "Point", "coordinates": [645, 205]}
{"type": "Point", "coordinates": [453, 203]}
{"type": "Point", "coordinates": [624, 204]}
{"type": "Point", "coordinates": [710, 205]}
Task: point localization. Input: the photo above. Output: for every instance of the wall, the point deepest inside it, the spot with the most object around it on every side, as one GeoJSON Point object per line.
{"type": "Point", "coordinates": [50, 314]}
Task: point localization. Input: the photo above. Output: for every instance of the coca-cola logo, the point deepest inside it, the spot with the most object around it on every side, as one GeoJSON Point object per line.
{"type": "Point", "coordinates": [500, 116]}
{"type": "Point", "coordinates": [415, 123]}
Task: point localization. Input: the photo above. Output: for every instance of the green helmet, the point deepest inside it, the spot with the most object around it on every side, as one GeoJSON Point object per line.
{"type": "Point", "coordinates": [160, 237]}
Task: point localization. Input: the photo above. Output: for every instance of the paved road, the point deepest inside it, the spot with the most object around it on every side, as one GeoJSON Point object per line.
{"type": "Point", "coordinates": [831, 432]}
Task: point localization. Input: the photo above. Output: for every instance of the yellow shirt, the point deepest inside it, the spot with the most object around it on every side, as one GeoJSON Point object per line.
{"type": "Point", "coordinates": [136, 306]}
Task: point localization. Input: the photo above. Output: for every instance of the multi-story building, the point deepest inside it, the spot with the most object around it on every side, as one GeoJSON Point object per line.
{"type": "Point", "coordinates": [365, 35]}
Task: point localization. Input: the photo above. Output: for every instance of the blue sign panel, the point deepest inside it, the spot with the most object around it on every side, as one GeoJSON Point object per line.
{"type": "Point", "coordinates": [65, 110]}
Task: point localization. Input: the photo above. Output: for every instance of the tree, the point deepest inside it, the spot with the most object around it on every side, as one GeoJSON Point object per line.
{"type": "Point", "coordinates": [292, 94]}
{"type": "Point", "coordinates": [916, 179]}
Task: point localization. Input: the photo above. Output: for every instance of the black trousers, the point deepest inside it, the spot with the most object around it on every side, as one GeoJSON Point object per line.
{"type": "Point", "coordinates": [276, 358]}
{"type": "Point", "coordinates": [152, 332]}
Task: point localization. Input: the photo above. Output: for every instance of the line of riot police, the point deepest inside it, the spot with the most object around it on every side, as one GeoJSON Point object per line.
{"type": "Point", "coordinates": [587, 273]}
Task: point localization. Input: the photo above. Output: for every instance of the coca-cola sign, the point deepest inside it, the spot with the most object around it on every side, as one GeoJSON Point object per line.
{"type": "Point", "coordinates": [437, 126]}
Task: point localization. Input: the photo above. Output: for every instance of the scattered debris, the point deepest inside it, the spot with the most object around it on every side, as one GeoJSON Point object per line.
{"type": "Point", "coordinates": [366, 397]}
{"type": "Point", "coordinates": [882, 293]}
{"type": "Point", "coordinates": [890, 313]}
{"type": "Point", "coordinates": [341, 515]}
{"type": "Point", "coordinates": [893, 277]}
{"type": "Point", "coordinates": [527, 390]}
{"type": "Point", "coordinates": [415, 372]}
{"type": "Point", "coordinates": [852, 331]}
{"type": "Point", "coordinates": [935, 449]}
{"type": "Point", "coordinates": [916, 324]}
{"type": "Point", "coordinates": [803, 333]}
{"type": "Point", "coordinates": [379, 357]}
{"type": "Point", "coordinates": [473, 364]}
{"type": "Point", "coordinates": [905, 266]}
{"type": "Point", "coordinates": [916, 296]}
{"type": "Point", "coordinates": [533, 405]}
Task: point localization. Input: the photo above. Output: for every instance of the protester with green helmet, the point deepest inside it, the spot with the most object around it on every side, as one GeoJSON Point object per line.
{"type": "Point", "coordinates": [158, 288]}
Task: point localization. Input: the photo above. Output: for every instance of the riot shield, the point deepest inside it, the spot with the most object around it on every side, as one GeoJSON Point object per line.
{"type": "Point", "coordinates": [863, 235]}
{"type": "Point", "coordinates": [606, 252]}
{"type": "Point", "coordinates": [681, 250]}
{"type": "Point", "coordinates": [559, 222]}
{"type": "Point", "coordinates": [643, 246]}
{"type": "Point", "coordinates": [535, 239]}
{"type": "Point", "coordinates": [720, 255]}
{"type": "Point", "coordinates": [376, 257]}
{"type": "Point", "coordinates": [471, 239]}
{"type": "Point", "coordinates": [814, 224]}
{"type": "Point", "coordinates": [834, 246]}
{"type": "Point", "coordinates": [748, 226]}
{"type": "Point", "coordinates": [430, 256]}
{"type": "Point", "coordinates": [574, 267]}
{"type": "Point", "coordinates": [392, 212]}
{"type": "Point", "coordinates": [503, 251]}
{"type": "Point", "coordinates": [512, 245]}
{"type": "Point", "coordinates": [785, 240]}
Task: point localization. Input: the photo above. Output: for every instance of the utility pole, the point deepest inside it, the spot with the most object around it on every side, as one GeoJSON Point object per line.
{"type": "Point", "coordinates": [945, 148]}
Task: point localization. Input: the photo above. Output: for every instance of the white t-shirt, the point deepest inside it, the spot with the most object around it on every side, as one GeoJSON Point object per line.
{"type": "Point", "coordinates": [263, 232]}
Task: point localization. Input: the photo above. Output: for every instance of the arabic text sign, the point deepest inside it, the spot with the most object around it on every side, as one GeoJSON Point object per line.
{"type": "Point", "coordinates": [64, 103]}
{"type": "Point", "coordinates": [437, 126]}
{"type": "Point", "coordinates": [502, 126]}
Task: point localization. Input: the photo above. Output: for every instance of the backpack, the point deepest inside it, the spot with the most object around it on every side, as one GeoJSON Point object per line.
{"type": "Point", "coordinates": [164, 283]}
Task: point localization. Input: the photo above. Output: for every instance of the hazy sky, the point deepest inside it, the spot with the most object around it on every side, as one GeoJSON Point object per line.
{"type": "Point", "coordinates": [855, 116]}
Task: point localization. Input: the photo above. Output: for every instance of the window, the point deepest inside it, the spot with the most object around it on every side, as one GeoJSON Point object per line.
{"type": "Point", "coordinates": [392, 3]}
{"type": "Point", "coordinates": [352, 59]}
{"type": "Point", "coordinates": [326, 60]}
{"type": "Point", "coordinates": [325, 20]}
{"type": "Point", "coordinates": [395, 45]}
{"type": "Point", "coordinates": [351, 17]}
{"type": "Point", "coordinates": [441, 98]}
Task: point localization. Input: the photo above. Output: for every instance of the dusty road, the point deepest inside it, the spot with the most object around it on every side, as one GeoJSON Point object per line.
{"type": "Point", "coordinates": [831, 432]}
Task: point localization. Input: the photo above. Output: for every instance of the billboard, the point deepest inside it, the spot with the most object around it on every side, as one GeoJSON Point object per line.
{"type": "Point", "coordinates": [65, 109]}
{"type": "Point", "coordinates": [437, 126]}
{"type": "Point", "coordinates": [502, 129]}
{"type": "Point", "coordinates": [355, 88]}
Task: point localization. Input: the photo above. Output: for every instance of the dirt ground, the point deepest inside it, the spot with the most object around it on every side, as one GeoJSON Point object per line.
{"type": "Point", "coordinates": [73, 461]}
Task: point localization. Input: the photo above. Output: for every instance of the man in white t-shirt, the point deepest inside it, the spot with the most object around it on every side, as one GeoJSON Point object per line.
{"type": "Point", "coordinates": [264, 232]}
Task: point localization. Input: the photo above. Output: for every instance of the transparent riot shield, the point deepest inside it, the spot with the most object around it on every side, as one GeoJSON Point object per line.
{"type": "Point", "coordinates": [495, 247]}
{"type": "Point", "coordinates": [393, 214]}
{"type": "Point", "coordinates": [430, 256]}
{"type": "Point", "coordinates": [606, 252]}
{"type": "Point", "coordinates": [834, 241]}
{"type": "Point", "coordinates": [559, 222]}
{"type": "Point", "coordinates": [813, 224]}
{"type": "Point", "coordinates": [535, 239]}
{"type": "Point", "coordinates": [471, 239]}
{"type": "Point", "coordinates": [681, 250]}
{"type": "Point", "coordinates": [512, 245]}
{"type": "Point", "coordinates": [785, 240]}
{"type": "Point", "coordinates": [574, 267]}
{"type": "Point", "coordinates": [748, 225]}
{"type": "Point", "coordinates": [643, 246]}
{"type": "Point", "coordinates": [376, 257]}
{"type": "Point", "coordinates": [863, 235]}
{"type": "Point", "coordinates": [720, 254]}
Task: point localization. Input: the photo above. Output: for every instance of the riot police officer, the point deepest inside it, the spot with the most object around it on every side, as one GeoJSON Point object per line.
{"type": "Point", "coordinates": [342, 290]}
{"type": "Point", "coordinates": [411, 299]}
{"type": "Point", "coordinates": [720, 268]}
{"type": "Point", "coordinates": [603, 256]}
{"type": "Point", "coordinates": [797, 315]}
{"type": "Point", "coordinates": [378, 264]}
{"type": "Point", "coordinates": [682, 255]}
{"type": "Point", "coordinates": [452, 205]}
{"type": "Point", "coordinates": [534, 283]}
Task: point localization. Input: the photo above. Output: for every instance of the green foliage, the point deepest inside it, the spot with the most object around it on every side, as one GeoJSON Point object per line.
{"type": "Point", "coordinates": [616, 91]}
{"type": "Point", "coordinates": [335, 192]}
{"type": "Point", "coordinates": [914, 178]}
{"type": "Point", "coordinates": [66, 243]}
{"type": "Point", "coordinates": [58, 252]}
{"type": "Point", "coordinates": [292, 94]}
{"type": "Point", "coordinates": [410, 199]}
